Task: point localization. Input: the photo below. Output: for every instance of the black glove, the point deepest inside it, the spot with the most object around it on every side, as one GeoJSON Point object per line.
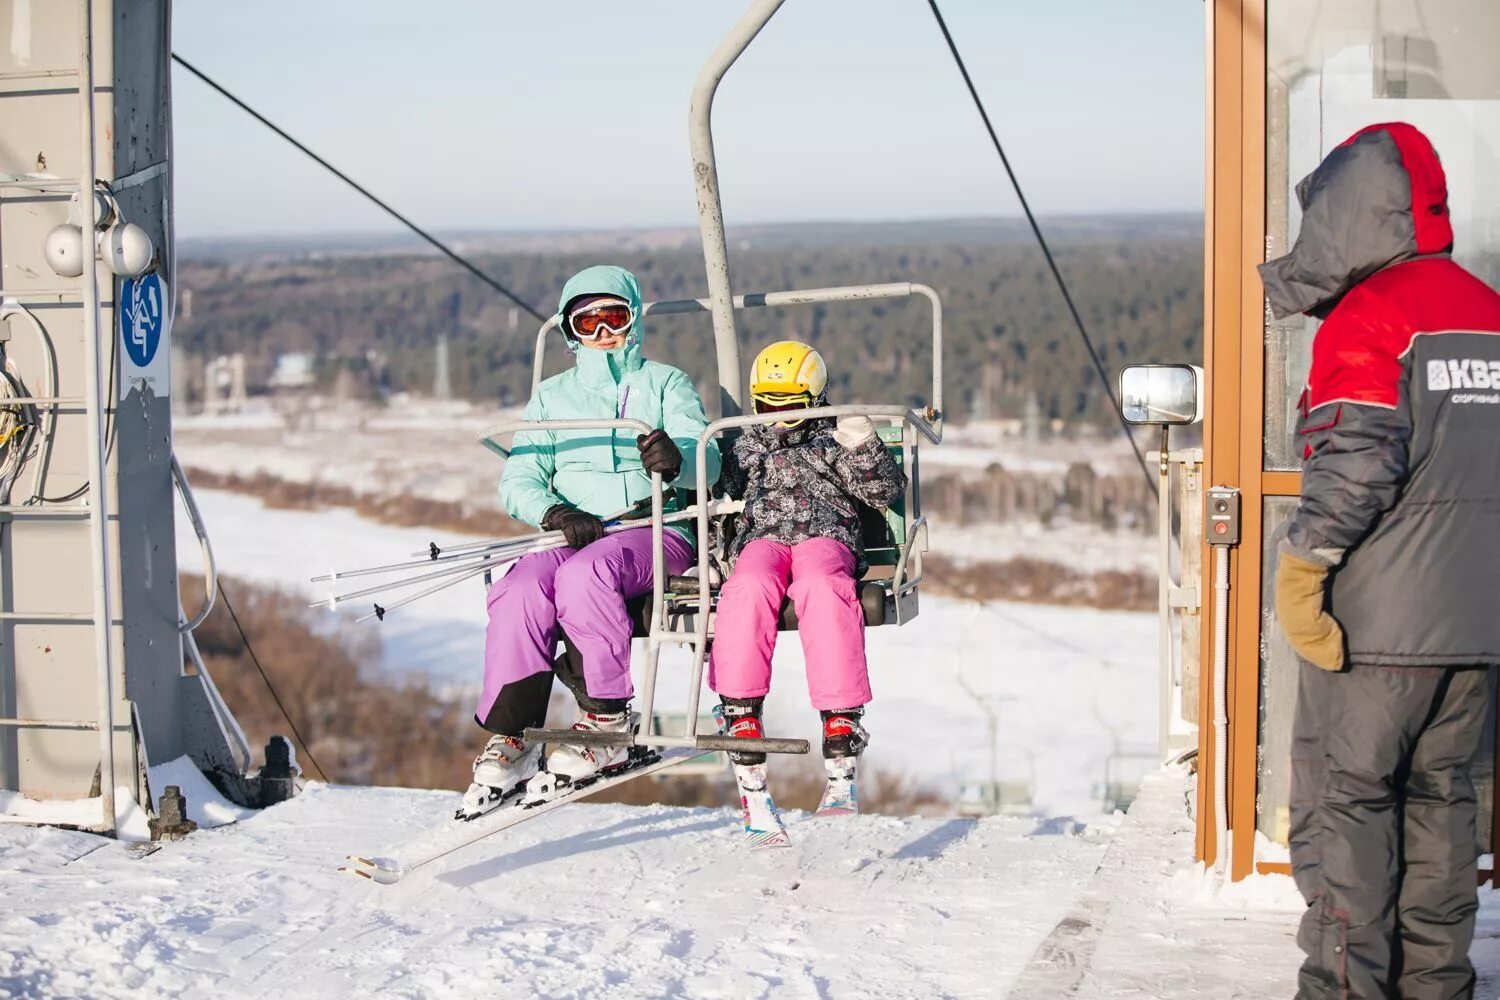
{"type": "Point", "coordinates": [659, 454]}
{"type": "Point", "coordinates": [579, 527]}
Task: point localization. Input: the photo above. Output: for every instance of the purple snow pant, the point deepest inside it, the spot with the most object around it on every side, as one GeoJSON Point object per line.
{"type": "Point", "coordinates": [582, 590]}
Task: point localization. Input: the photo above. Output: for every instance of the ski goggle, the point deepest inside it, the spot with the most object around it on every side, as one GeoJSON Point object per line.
{"type": "Point", "coordinates": [602, 319]}
{"type": "Point", "coordinates": [778, 402]}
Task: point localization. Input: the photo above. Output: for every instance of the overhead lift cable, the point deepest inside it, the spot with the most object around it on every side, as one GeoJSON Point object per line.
{"type": "Point", "coordinates": [306, 749]}
{"type": "Point", "coordinates": [1042, 242]}
{"type": "Point", "coordinates": [433, 240]}
{"type": "Point", "coordinates": [438, 244]}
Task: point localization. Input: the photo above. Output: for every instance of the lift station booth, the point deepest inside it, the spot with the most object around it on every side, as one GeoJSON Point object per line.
{"type": "Point", "coordinates": [1288, 80]}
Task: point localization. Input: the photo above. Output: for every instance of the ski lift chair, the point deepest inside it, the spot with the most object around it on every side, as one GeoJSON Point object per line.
{"type": "Point", "coordinates": [895, 538]}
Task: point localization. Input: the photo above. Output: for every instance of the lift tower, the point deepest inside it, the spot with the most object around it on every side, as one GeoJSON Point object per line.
{"type": "Point", "coordinates": [92, 633]}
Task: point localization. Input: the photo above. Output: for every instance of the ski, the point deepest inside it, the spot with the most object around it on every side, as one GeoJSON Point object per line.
{"type": "Point", "coordinates": [763, 826]}
{"type": "Point", "coordinates": [455, 834]}
{"type": "Point", "coordinates": [840, 797]}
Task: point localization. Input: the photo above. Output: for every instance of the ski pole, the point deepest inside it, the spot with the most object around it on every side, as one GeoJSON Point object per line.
{"type": "Point", "coordinates": [478, 553]}
{"type": "Point", "coordinates": [508, 550]}
{"type": "Point", "coordinates": [435, 551]}
{"type": "Point", "coordinates": [538, 543]}
{"type": "Point", "coordinates": [382, 610]}
{"type": "Point", "coordinates": [467, 567]}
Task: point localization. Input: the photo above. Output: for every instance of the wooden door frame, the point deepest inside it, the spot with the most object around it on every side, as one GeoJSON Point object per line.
{"type": "Point", "coordinates": [1234, 366]}
{"type": "Point", "coordinates": [1234, 428]}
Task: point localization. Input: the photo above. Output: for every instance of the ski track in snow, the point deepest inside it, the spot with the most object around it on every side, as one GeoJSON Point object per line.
{"type": "Point", "coordinates": [1074, 688]}
{"type": "Point", "coordinates": [593, 901]}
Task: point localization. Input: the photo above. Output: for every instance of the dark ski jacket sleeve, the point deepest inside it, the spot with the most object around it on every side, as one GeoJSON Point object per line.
{"type": "Point", "coordinates": [869, 473]}
{"type": "Point", "coordinates": [1355, 463]}
{"type": "Point", "coordinates": [801, 484]}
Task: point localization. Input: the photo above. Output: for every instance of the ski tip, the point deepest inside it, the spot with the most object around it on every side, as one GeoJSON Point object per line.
{"type": "Point", "coordinates": [385, 871]}
{"type": "Point", "coordinates": [837, 811]}
{"type": "Point", "coordinates": [761, 840]}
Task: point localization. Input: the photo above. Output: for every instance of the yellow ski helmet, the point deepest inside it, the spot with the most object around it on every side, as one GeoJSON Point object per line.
{"type": "Point", "coordinates": [788, 375]}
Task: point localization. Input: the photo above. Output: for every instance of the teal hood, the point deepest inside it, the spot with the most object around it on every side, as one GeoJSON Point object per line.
{"type": "Point", "coordinates": [597, 470]}
{"type": "Point", "coordinates": [598, 367]}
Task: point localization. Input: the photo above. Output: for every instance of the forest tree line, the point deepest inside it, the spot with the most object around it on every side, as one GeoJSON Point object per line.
{"type": "Point", "coordinates": [372, 321]}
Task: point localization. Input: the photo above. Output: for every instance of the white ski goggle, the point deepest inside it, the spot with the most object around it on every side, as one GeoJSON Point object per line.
{"type": "Point", "coordinates": [601, 319]}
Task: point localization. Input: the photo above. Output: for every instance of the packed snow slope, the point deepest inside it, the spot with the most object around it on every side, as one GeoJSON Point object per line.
{"type": "Point", "coordinates": [631, 902]}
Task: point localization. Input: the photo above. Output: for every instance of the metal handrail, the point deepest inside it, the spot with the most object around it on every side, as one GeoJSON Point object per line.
{"type": "Point", "coordinates": [210, 568]}
{"type": "Point", "coordinates": [807, 296]}
{"type": "Point", "coordinates": [900, 585]}
{"type": "Point", "coordinates": [227, 722]}
{"type": "Point", "coordinates": [94, 392]}
{"type": "Point", "coordinates": [516, 426]}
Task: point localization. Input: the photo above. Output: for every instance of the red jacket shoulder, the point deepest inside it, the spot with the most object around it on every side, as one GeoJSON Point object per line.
{"type": "Point", "coordinates": [1358, 351]}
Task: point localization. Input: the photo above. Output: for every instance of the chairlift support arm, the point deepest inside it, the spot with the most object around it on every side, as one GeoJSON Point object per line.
{"type": "Point", "coordinates": [710, 207]}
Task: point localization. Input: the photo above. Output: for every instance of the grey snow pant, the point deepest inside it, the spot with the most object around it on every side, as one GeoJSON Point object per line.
{"type": "Point", "coordinates": [1382, 830]}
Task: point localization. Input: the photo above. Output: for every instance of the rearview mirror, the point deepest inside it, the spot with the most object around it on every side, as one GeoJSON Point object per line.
{"type": "Point", "coordinates": [1161, 394]}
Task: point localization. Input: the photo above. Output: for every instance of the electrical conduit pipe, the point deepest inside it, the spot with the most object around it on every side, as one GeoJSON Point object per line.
{"type": "Point", "coordinates": [1221, 707]}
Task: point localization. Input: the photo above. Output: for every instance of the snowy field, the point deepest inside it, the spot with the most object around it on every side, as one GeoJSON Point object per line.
{"type": "Point", "coordinates": [428, 449]}
{"type": "Point", "coordinates": [629, 902]}
{"type": "Point", "coordinates": [1073, 688]}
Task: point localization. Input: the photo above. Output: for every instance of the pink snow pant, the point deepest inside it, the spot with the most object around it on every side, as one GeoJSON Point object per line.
{"type": "Point", "coordinates": [818, 574]}
{"type": "Point", "coordinates": [582, 590]}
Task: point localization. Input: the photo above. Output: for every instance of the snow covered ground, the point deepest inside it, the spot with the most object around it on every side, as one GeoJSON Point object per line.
{"type": "Point", "coordinates": [632, 902]}
{"type": "Point", "coordinates": [1073, 688]}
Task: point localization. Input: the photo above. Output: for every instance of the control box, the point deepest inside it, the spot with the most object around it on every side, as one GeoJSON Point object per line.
{"type": "Point", "coordinates": [1222, 521]}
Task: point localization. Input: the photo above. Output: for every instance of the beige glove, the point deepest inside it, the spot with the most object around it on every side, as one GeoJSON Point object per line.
{"type": "Point", "coordinates": [1313, 632]}
{"type": "Point", "coordinates": [851, 432]}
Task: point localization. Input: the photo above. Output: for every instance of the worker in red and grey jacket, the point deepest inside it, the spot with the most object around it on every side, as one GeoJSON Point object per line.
{"type": "Point", "coordinates": [1388, 575]}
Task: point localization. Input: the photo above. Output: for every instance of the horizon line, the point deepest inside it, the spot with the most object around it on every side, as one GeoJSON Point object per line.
{"type": "Point", "coordinates": [690, 227]}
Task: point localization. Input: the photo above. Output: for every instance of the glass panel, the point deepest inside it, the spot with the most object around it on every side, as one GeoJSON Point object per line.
{"type": "Point", "coordinates": [1278, 689]}
{"type": "Point", "coordinates": [1278, 699]}
{"type": "Point", "coordinates": [1335, 66]}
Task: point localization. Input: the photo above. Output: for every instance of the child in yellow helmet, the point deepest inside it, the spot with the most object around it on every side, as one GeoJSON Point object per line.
{"type": "Point", "coordinates": [803, 481]}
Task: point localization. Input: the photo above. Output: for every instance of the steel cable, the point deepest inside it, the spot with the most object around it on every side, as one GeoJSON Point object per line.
{"type": "Point", "coordinates": [1042, 242]}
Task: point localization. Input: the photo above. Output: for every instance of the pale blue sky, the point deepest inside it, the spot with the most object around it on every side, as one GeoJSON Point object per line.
{"type": "Point", "coordinates": [573, 113]}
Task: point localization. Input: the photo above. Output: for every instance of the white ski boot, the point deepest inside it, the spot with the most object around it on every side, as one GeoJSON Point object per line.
{"type": "Point", "coordinates": [740, 717]}
{"type": "Point", "coordinates": [577, 762]}
{"type": "Point", "coordinates": [844, 739]}
{"type": "Point", "coordinates": [500, 771]}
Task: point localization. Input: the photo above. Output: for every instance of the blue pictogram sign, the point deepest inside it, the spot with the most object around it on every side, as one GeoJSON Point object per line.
{"type": "Point", "coordinates": [143, 309]}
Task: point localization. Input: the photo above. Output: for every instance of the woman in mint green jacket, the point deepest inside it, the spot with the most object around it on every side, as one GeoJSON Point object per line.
{"type": "Point", "coordinates": [567, 481]}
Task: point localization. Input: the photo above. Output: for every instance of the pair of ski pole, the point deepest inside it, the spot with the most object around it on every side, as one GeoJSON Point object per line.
{"type": "Point", "coordinates": [468, 561]}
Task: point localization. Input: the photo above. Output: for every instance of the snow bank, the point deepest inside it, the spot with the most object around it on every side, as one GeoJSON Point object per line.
{"type": "Point", "coordinates": [206, 806]}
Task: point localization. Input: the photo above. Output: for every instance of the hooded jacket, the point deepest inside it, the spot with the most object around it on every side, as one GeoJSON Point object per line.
{"type": "Point", "coordinates": [600, 471]}
{"type": "Point", "coordinates": [1400, 419]}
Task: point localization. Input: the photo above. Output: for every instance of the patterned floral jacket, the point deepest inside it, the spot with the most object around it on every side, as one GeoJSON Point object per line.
{"type": "Point", "coordinates": [801, 483]}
